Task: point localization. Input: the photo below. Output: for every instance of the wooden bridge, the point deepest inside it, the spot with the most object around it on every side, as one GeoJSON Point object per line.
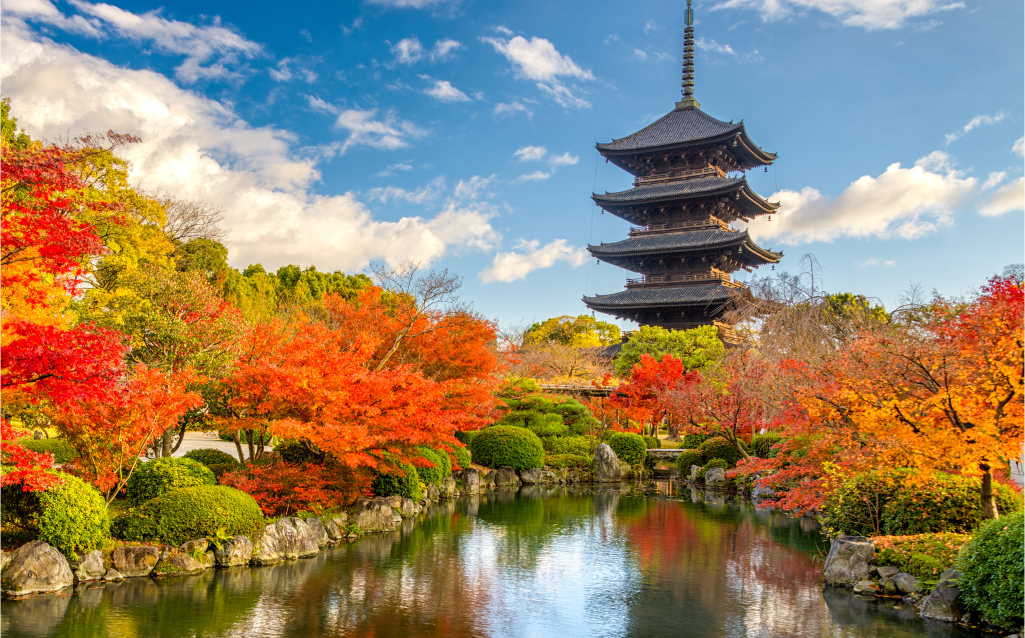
{"type": "Point", "coordinates": [586, 390]}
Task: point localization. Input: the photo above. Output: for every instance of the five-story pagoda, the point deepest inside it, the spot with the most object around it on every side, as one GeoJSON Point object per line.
{"type": "Point", "coordinates": [682, 205]}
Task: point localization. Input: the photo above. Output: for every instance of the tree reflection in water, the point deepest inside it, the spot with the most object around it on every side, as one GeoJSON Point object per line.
{"type": "Point", "coordinates": [538, 562]}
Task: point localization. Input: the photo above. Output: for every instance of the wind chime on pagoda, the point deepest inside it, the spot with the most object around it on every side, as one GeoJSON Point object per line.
{"type": "Point", "coordinates": [682, 205]}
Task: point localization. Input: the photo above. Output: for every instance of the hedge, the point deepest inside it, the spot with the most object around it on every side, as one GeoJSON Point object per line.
{"type": "Point", "coordinates": [442, 466]}
{"type": "Point", "coordinates": [191, 513]}
{"type": "Point", "coordinates": [694, 441]}
{"type": "Point", "coordinates": [160, 476]}
{"type": "Point", "coordinates": [402, 481]}
{"type": "Point", "coordinates": [762, 444]}
{"type": "Point", "coordinates": [686, 459]}
{"type": "Point", "coordinates": [506, 445]}
{"type": "Point", "coordinates": [719, 448]}
{"type": "Point", "coordinates": [60, 449]}
{"type": "Point", "coordinates": [467, 437]}
{"type": "Point", "coordinates": [991, 567]}
{"type": "Point", "coordinates": [71, 516]}
{"type": "Point", "coordinates": [460, 456]}
{"type": "Point", "coordinates": [652, 442]}
{"type": "Point", "coordinates": [217, 461]}
{"type": "Point", "coordinates": [629, 448]}
{"type": "Point", "coordinates": [561, 461]}
{"type": "Point", "coordinates": [547, 416]}
{"type": "Point", "coordinates": [922, 555]}
{"type": "Point", "coordinates": [715, 463]}
{"type": "Point", "coordinates": [580, 445]}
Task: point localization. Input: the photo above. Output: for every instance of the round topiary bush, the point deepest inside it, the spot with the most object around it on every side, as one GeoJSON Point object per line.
{"type": "Point", "coordinates": [219, 462]}
{"type": "Point", "coordinates": [579, 445]}
{"type": "Point", "coordinates": [402, 481]}
{"type": "Point", "coordinates": [719, 448]}
{"type": "Point", "coordinates": [442, 466]}
{"type": "Point", "coordinates": [548, 425]}
{"type": "Point", "coordinates": [467, 437]}
{"type": "Point", "coordinates": [762, 444]}
{"type": "Point", "coordinates": [629, 447]}
{"type": "Point", "coordinates": [507, 445]}
{"type": "Point", "coordinates": [715, 463]}
{"type": "Point", "coordinates": [459, 457]}
{"type": "Point", "coordinates": [652, 442]}
{"type": "Point", "coordinates": [166, 474]}
{"type": "Point", "coordinates": [991, 566]}
{"type": "Point", "coordinates": [190, 513]}
{"type": "Point", "coordinates": [561, 461]}
{"type": "Point", "coordinates": [71, 516]}
{"type": "Point", "coordinates": [694, 441]}
{"type": "Point", "coordinates": [60, 449]}
{"type": "Point", "coordinates": [686, 459]}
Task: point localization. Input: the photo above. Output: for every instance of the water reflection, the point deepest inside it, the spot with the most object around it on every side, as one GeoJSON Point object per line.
{"type": "Point", "coordinates": [541, 561]}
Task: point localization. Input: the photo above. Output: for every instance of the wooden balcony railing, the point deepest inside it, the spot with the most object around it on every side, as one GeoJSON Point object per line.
{"type": "Point", "coordinates": [654, 280]}
{"type": "Point", "coordinates": [702, 224]}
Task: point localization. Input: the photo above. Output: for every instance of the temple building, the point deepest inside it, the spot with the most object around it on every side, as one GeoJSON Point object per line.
{"type": "Point", "coordinates": [689, 196]}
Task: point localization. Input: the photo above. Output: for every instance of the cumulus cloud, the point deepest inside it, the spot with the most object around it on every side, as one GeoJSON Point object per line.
{"type": "Point", "coordinates": [199, 148]}
{"type": "Point", "coordinates": [473, 188]}
{"type": "Point", "coordinates": [512, 108]}
{"type": "Point", "coordinates": [1019, 147]}
{"type": "Point", "coordinates": [976, 122]}
{"type": "Point", "coordinates": [994, 178]}
{"type": "Point", "coordinates": [902, 202]}
{"type": "Point", "coordinates": [528, 256]}
{"type": "Point", "coordinates": [530, 153]}
{"type": "Point", "coordinates": [640, 55]}
{"type": "Point", "coordinates": [877, 14]}
{"type": "Point", "coordinates": [537, 153]}
{"type": "Point", "coordinates": [409, 51]}
{"type": "Point", "coordinates": [711, 46]}
{"type": "Point", "coordinates": [44, 11]}
{"type": "Point", "coordinates": [422, 195]}
{"type": "Point", "coordinates": [538, 60]}
{"type": "Point", "coordinates": [1005, 199]}
{"type": "Point", "coordinates": [285, 71]}
{"type": "Point", "coordinates": [366, 129]}
{"type": "Point", "coordinates": [443, 91]}
{"type": "Point", "coordinates": [410, 4]}
{"type": "Point", "coordinates": [564, 160]}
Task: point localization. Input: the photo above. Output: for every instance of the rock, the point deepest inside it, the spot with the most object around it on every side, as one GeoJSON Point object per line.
{"type": "Point", "coordinates": [408, 509]}
{"type": "Point", "coordinates": [906, 583]}
{"type": "Point", "coordinates": [625, 470]}
{"type": "Point", "coordinates": [375, 515]}
{"type": "Point", "coordinates": [865, 587]}
{"type": "Point", "coordinates": [715, 479]}
{"type": "Point", "coordinates": [606, 465]}
{"type": "Point", "coordinates": [695, 473]}
{"type": "Point", "coordinates": [334, 525]}
{"type": "Point", "coordinates": [847, 562]}
{"type": "Point", "coordinates": [487, 479]}
{"type": "Point", "coordinates": [317, 531]}
{"type": "Point", "coordinates": [238, 550]}
{"type": "Point", "coordinates": [296, 538]}
{"type": "Point", "coordinates": [177, 563]}
{"type": "Point", "coordinates": [572, 476]}
{"type": "Point", "coordinates": [433, 493]}
{"type": "Point", "coordinates": [35, 567]}
{"type": "Point", "coordinates": [468, 481]}
{"type": "Point", "coordinates": [394, 501]}
{"type": "Point", "coordinates": [113, 575]}
{"type": "Point", "coordinates": [38, 435]}
{"type": "Point", "coordinates": [506, 477]}
{"type": "Point", "coordinates": [888, 571]}
{"type": "Point", "coordinates": [550, 477]}
{"type": "Point", "coordinates": [265, 547]}
{"type": "Point", "coordinates": [5, 557]}
{"type": "Point", "coordinates": [888, 586]}
{"type": "Point", "coordinates": [942, 603]}
{"type": "Point", "coordinates": [532, 476]}
{"type": "Point", "coordinates": [758, 493]}
{"type": "Point", "coordinates": [135, 561]}
{"type": "Point", "coordinates": [448, 488]}
{"type": "Point", "coordinates": [88, 567]}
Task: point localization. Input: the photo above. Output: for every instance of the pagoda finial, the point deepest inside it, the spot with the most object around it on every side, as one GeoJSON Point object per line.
{"type": "Point", "coordinates": [688, 100]}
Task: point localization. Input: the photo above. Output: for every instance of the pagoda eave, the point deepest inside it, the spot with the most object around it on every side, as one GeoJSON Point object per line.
{"type": "Point", "coordinates": [620, 203]}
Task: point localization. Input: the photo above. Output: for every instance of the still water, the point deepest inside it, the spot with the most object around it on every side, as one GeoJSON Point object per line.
{"type": "Point", "coordinates": [537, 562]}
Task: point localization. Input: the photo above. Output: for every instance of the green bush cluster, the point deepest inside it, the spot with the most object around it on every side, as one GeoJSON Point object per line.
{"type": "Point", "coordinates": [502, 445]}
{"type": "Point", "coordinates": [61, 450]}
{"type": "Point", "coordinates": [991, 567]}
{"type": "Point", "coordinates": [190, 513]}
{"type": "Point", "coordinates": [922, 555]}
{"type": "Point", "coordinates": [548, 417]}
{"type": "Point", "coordinates": [580, 445]}
{"type": "Point", "coordinates": [442, 465]}
{"type": "Point", "coordinates": [166, 474]}
{"type": "Point", "coordinates": [563, 461]}
{"type": "Point", "coordinates": [460, 456]}
{"type": "Point", "coordinates": [762, 444]}
{"type": "Point", "coordinates": [217, 461]}
{"type": "Point", "coordinates": [719, 448]}
{"type": "Point", "coordinates": [466, 438]}
{"type": "Point", "coordinates": [629, 448]}
{"type": "Point", "coordinates": [686, 459]}
{"type": "Point", "coordinates": [652, 442]}
{"type": "Point", "coordinates": [889, 503]}
{"type": "Point", "coordinates": [694, 441]}
{"type": "Point", "coordinates": [403, 480]}
{"type": "Point", "coordinates": [296, 452]}
{"type": "Point", "coordinates": [715, 463]}
{"type": "Point", "coordinates": [71, 516]}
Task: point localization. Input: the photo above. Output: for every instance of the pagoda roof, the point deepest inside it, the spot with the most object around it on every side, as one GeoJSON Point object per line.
{"type": "Point", "coordinates": [688, 126]}
{"type": "Point", "coordinates": [685, 241]}
{"type": "Point", "coordinates": [685, 189]}
{"type": "Point", "coordinates": [656, 297]}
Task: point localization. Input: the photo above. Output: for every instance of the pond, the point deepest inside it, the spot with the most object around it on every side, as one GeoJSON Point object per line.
{"type": "Point", "coordinates": [537, 562]}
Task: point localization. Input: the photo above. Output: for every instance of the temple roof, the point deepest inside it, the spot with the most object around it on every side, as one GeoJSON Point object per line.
{"type": "Point", "coordinates": [695, 240]}
{"type": "Point", "coordinates": [684, 127]}
{"type": "Point", "coordinates": [653, 297]}
{"type": "Point", "coordinates": [686, 189]}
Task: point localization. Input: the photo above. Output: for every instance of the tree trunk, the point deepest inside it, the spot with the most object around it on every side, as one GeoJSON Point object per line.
{"type": "Point", "coordinates": [238, 446]}
{"type": "Point", "coordinates": [165, 442]}
{"type": "Point", "coordinates": [989, 501]}
{"type": "Point", "coordinates": [249, 439]}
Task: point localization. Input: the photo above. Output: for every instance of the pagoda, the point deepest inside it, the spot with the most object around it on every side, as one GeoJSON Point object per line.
{"type": "Point", "coordinates": [689, 195]}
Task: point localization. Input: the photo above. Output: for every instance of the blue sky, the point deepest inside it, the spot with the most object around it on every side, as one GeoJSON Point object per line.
{"type": "Point", "coordinates": [461, 134]}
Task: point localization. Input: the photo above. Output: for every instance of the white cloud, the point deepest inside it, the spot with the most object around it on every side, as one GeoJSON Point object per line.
{"type": "Point", "coordinates": [902, 202]}
{"type": "Point", "coordinates": [472, 188]}
{"type": "Point", "coordinates": [510, 266]}
{"type": "Point", "coordinates": [199, 148]}
{"type": "Point", "coordinates": [538, 60]}
{"type": "Point", "coordinates": [1019, 147]}
{"type": "Point", "coordinates": [530, 153]}
{"type": "Point", "coordinates": [609, 39]}
{"type": "Point", "coordinates": [409, 51]}
{"type": "Point", "coordinates": [640, 55]}
{"type": "Point", "coordinates": [366, 130]}
{"type": "Point", "coordinates": [443, 91]}
{"type": "Point", "coordinates": [408, 4]}
{"type": "Point", "coordinates": [872, 14]}
{"type": "Point", "coordinates": [511, 108]}
{"type": "Point", "coordinates": [563, 160]}
{"type": "Point", "coordinates": [1005, 199]}
{"type": "Point", "coordinates": [388, 172]}
{"type": "Point", "coordinates": [503, 30]}
{"type": "Point", "coordinates": [662, 57]}
{"type": "Point", "coordinates": [44, 11]}
{"type": "Point", "coordinates": [976, 122]}
{"type": "Point", "coordinates": [711, 46]}
{"type": "Point", "coordinates": [994, 178]}
{"type": "Point", "coordinates": [536, 176]}
{"type": "Point", "coordinates": [320, 105]}
{"type": "Point", "coordinates": [422, 195]}
{"type": "Point", "coordinates": [284, 72]}
{"type": "Point", "coordinates": [650, 27]}
{"type": "Point", "coordinates": [875, 262]}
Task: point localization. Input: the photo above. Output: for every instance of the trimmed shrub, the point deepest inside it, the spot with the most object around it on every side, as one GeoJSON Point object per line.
{"type": "Point", "coordinates": [190, 513]}
{"type": "Point", "coordinates": [166, 474]}
{"type": "Point", "coordinates": [629, 447]}
{"type": "Point", "coordinates": [71, 516]}
{"type": "Point", "coordinates": [991, 566]}
{"type": "Point", "coordinates": [921, 555]}
{"type": "Point", "coordinates": [694, 441]}
{"type": "Point", "coordinates": [548, 416]}
{"type": "Point", "coordinates": [467, 437]}
{"type": "Point", "coordinates": [715, 463]}
{"type": "Point", "coordinates": [762, 444]}
{"type": "Point", "coordinates": [442, 466]}
{"type": "Point", "coordinates": [686, 459]}
{"type": "Point", "coordinates": [579, 445]}
{"type": "Point", "coordinates": [460, 456]}
{"type": "Point", "coordinates": [561, 461]}
{"type": "Point", "coordinates": [501, 445]}
{"type": "Point", "coordinates": [295, 452]}
{"type": "Point", "coordinates": [719, 448]}
{"type": "Point", "coordinates": [60, 449]}
{"type": "Point", "coordinates": [219, 462]}
{"type": "Point", "coordinates": [652, 442]}
{"type": "Point", "coordinates": [402, 481]}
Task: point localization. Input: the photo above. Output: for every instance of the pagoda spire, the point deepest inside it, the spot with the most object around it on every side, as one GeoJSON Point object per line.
{"type": "Point", "coordinates": [688, 100]}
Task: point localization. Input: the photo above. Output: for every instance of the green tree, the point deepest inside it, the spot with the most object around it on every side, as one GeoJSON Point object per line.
{"type": "Point", "coordinates": [696, 347]}
{"type": "Point", "coordinates": [582, 331]}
